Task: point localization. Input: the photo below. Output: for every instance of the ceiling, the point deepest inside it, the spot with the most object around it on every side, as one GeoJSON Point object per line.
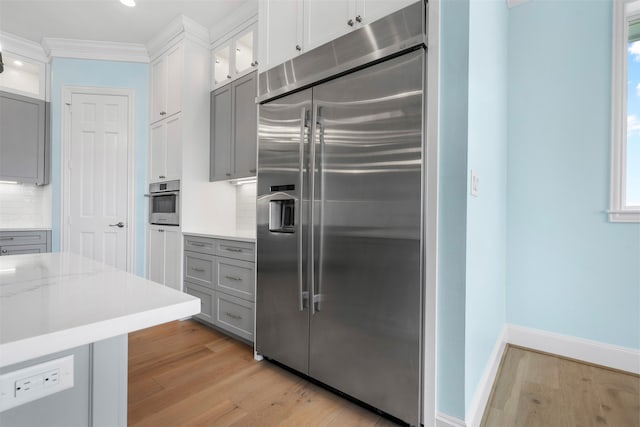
{"type": "Point", "coordinates": [106, 20]}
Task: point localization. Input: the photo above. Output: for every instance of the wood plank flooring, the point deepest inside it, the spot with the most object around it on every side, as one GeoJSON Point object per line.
{"type": "Point", "coordinates": [186, 374]}
{"type": "Point", "coordinates": [534, 389]}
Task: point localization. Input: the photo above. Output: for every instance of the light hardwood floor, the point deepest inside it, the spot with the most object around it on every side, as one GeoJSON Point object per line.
{"type": "Point", "coordinates": [534, 389]}
{"type": "Point", "coordinates": [186, 374]}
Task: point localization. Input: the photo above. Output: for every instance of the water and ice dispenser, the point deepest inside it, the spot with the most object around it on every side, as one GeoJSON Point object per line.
{"type": "Point", "coordinates": [282, 211]}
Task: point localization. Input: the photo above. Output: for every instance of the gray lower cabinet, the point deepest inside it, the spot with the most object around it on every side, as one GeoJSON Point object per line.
{"type": "Point", "coordinates": [234, 129]}
{"type": "Point", "coordinates": [221, 273]}
{"type": "Point", "coordinates": [24, 139]}
{"type": "Point", "coordinates": [25, 242]}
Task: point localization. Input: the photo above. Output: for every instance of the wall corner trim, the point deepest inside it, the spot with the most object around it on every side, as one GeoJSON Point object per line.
{"type": "Point", "coordinates": [483, 391]}
{"type": "Point", "coordinates": [444, 420]}
{"type": "Point", "coordinates": [598, 353]}
{"type": "Point", "coordinates": [90, 49]}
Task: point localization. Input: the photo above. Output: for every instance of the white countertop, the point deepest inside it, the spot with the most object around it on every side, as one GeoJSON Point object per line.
{"type": "Point", "coordinates": [238, 236]}
{"type": "Point", "coordinates": [55, 301]}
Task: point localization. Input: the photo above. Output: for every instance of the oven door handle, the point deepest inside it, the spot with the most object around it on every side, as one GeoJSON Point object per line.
{"type": "Point", "coordinates": [163, 193]}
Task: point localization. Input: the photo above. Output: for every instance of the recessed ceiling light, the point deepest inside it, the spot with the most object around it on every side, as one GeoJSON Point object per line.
{"type": "Point", "coordinates": [129, 3]}
{"type": "Point", "coordinates": [18, 63]}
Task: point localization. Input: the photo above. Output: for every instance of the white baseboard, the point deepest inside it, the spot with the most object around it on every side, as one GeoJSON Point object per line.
{"type": "Point", "coordinates": [595, 352]}
{"type": "Point", "coordinates": [444, 420]}
{"type": "Point", "coordinates": [483, 391]}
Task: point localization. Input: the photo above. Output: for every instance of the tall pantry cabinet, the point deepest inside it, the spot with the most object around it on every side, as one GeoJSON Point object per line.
{"type": "Point", "coordinates": [178, 135]}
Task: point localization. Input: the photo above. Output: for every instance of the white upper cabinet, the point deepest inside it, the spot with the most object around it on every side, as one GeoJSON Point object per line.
{"type": "Point", "coordinates": [327, 20]}
{"type": "Point", "coordinates": [165, 153]}
{"type": "Point", "coordinates": [289, 27]}
{"type": "Point", "coordinates": [23, 76]}
{"type": "Point", "coordinates": [166, 84]}
{"type": "Point", "coordinates": [280, 27]}
{"type": "Point", "coordinates": [234, 57]}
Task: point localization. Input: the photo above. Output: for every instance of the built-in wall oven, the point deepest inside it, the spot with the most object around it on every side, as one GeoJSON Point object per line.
{"type": "Point", "coordinates": [164, 203]}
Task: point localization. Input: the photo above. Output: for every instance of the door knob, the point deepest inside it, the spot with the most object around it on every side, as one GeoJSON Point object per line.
{"type": "Point", "coordinates": [119, 225]}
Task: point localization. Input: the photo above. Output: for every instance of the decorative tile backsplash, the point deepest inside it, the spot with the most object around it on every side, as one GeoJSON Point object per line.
{"type": "Point", "coordinates": [25, 206]}
{"type": "Point", "coordinates": [246, 208]}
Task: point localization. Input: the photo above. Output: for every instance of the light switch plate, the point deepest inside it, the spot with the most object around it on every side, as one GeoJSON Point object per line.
{"type": "Point", "coordinates": [475, 183]}
{"type": "Point", "coordinates": [35, 382]}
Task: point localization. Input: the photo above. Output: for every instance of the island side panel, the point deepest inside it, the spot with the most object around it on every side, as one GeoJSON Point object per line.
{"type": "Point", "coordinates": [110, 377]}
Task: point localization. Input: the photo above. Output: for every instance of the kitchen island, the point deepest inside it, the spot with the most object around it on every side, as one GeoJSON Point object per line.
{"type": "Point", "coordinates": [57, 305]}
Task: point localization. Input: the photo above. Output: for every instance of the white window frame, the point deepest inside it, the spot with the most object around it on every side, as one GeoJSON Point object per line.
{"type": "Point", "coordinates": [624, 11]}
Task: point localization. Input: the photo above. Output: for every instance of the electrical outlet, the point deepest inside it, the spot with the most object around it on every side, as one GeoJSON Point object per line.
{"type": "Point", "coordinates": [475, 183]}
{"type": "Point", "coordinates": [34, 382]}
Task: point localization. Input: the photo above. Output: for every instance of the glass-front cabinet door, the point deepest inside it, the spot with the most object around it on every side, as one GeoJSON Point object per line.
{"type": "Point", "coordinates": [235, 57]}
{"type": "Point", "coordinates": [23, 76]}
{"type": "Point", "coordinates": [222, 65]}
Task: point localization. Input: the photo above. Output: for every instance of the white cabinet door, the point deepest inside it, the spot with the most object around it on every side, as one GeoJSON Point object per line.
{"type": "Point", "coordinates": [158, 88]}
{"type": "Point", "coordinates": [172, 258]}
{"type": "Point", "coordinates": [155, 254]}
{"type": "Point", "coordinates": [280, 28]}
{"type": "Point", "coordinates": [175, 66]}
{"type": "Point", "coordinates": [327, 20]}
{"type": "Point", "coordinates": [173, 159]}
{"type": "Point", "coordinates": [372, 10]}
{"type": "Point", "coordinates": [157, 152]}
{"type": "Point", "coordinates": [165, 151]}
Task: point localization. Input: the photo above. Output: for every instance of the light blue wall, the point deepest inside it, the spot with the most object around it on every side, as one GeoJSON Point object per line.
{"type": "Point", "coordinates": [569, 270]}
{"type": "Point", "coordinates": [486, 214]}
{"type": "Point", "coordinates": [125, 75]}
{"type": "Point", "coordinates": [454, 63]}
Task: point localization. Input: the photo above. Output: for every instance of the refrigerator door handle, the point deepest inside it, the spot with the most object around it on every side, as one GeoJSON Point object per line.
{"type": "Point", "coordinates": [316, 162]}
{"type": "Point", "coordinates": [303, 295]}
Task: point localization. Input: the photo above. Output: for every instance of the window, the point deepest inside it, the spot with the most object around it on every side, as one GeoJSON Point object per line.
{"type": "Point", "coordinates": [625, 123]}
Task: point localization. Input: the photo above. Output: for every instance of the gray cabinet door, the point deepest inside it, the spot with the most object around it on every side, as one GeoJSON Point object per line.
{"type": "Point", "coordinates": [221, 134]}
{"type": "Point", "coordinates": [245, 125]}
{"type": "Point", "coordinates": [22, 139]}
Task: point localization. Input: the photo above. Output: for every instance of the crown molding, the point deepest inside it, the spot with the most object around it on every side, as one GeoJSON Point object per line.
{"type": "Point", "coordinates": [242, 17]}
{"type": "Point", "coordinates": [23, 47]}
{"type": "Point", "coordinates": [514, 3]}
{"type": "Point", "coordinates": [180, 25]}
{"type": "Point", "coordinates": [89, 49]}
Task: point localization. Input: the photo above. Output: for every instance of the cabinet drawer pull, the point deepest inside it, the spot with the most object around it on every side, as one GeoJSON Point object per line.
{"type": "Point", "coordinates": [161, 231]}
{"type": "Point", "coordinates": [252, 171]}
{"type": "Point", "coordinates": [233, 316]}
{"type": "Point", "coordinates": [161, 177]}
{"type": "Point", "coordinates": [233, 249]}
{"type": "Point", "coordinates": [6, 238]}
{"type": "Point", "coordinates": [4, 251]}
{"type": "Point", "coordinates": [162, 113]}
{"type": "Point", "coordinates": [199, 270]}
{"type": "Point", "coordinates": [200, 245]}
{"type": "Point", "coordinates": [237, 279]}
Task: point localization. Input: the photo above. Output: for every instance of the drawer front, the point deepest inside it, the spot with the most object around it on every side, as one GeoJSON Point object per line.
{"type": "Point", "coordinates": [200, 244]}
{"type": "Point", "coordinates": [199, 268]}
{"type": "Point", "coordinates": [235, 277]}
{"type": "Point", "coordinates": [206, 296]}
{"type": "Point", "coordinates": [234, 315]}
{"type": "Point", "coordinates": [238, 250]}
{"type": "Point", "coordinates": [22, 249]}
{"type": "Point", "coordinates": [23, 238]}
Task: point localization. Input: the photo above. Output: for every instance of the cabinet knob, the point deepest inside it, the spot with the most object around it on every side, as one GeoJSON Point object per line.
{"type": "Point", "coordinates": [161, 231]}
{"type": "Point", "coordinates": [228, 76]}
{"type": "Point", "coordinates": [227, 174]}
{"type": "Point", "coordinates": [350, 22]}
{"type": "Point", "coordinates": [162, 113]}
{"type": "Point", "coordinates": [4, 251]}
{"type": "Point", "coordinates": [161, 177]}
{"type": "Point", "coordinates": [359, 19]}
{"type": "Point", "coordinates": [298, 47]}
{"type": "Point", "coordinates": [254, 63]}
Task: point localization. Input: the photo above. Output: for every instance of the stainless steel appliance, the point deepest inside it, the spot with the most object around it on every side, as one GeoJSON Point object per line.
{"type": "Point", "coordinates": [340, 213]}
{"type": "Point", "coordinates": [164, 203]}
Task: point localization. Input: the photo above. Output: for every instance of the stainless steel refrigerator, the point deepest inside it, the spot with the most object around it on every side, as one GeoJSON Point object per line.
{"type": "Point", "coordinates": [340, 214]}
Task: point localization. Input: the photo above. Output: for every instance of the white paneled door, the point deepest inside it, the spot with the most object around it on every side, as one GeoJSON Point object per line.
{"type": "Point", "coordinates": [98, 179]}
